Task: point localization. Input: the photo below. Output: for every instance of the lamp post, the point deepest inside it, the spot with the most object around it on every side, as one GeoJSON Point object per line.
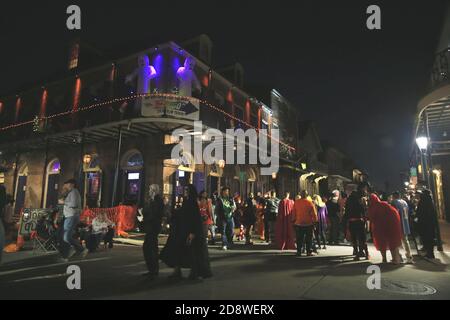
{"type": "Point", "coordinates": [422, 144]}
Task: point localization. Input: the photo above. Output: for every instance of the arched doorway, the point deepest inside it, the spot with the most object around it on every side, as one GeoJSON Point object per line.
{"type": "Point", "coordinates": [52, 184]}
{"type": "Point", "coordinates": [132, 166]}
{"type": "Point", "coordinates": [214, 177]}
{"type": "Point", "coordinates": [21, 188]}
{"type": "Point", "coordinates": [305, 182]}
{"type": "Point", "coordinates": [92, 182]}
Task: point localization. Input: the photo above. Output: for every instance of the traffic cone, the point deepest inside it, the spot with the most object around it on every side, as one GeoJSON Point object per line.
{"type": "Point", "coordinates": [20, 242]}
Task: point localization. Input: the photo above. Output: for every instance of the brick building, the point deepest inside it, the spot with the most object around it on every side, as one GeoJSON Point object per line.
{"type": "Point", "coordinates": [110, 126]}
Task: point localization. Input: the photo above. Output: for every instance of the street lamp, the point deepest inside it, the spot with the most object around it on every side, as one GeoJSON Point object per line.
{"type": "Point", "coordinates": [422, 143]}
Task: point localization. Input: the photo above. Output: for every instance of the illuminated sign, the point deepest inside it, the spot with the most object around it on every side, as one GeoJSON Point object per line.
{"type": "Point", "coordinates": [133, 176]}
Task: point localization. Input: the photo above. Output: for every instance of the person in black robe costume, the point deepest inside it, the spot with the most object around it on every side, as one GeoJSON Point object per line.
{"type": "Point", "coordinates": [153, 212]}
{"type": "Point", "coordinates": [185, 247]}
{"type": "Point", "coordinates": [426, 216]}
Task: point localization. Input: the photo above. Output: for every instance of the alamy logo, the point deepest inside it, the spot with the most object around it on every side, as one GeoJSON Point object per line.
{"type": "Point", "coordinates": [233, 142]}
{"type": "Point", "coordinates": [74, 280]}
{"type": "Point", "coordinates": [74, 20]}
{"type": "Point", "coordinates": [374, 280]}
{"type": "Point", "coordinates": [374, 20]}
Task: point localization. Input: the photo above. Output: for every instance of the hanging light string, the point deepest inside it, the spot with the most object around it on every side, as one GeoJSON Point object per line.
{"type": "Point", "coordinates": [143, 95]}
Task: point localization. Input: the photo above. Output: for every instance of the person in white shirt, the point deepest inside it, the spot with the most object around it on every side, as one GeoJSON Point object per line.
{"type": "Point", "coordinates": [102, 229]}
{"type": "Point", "coordinates": [71, 211]}
{"type": "Point", "coordinates": [403, 210]}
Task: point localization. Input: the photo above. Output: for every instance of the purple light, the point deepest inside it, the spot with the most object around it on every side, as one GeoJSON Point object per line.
{"type": "Point", "coordinates": [158, 64]}
{"type": "Point", "coordinates": [176, 64]}
{"type": "Point", "coordinates": [56, 166]}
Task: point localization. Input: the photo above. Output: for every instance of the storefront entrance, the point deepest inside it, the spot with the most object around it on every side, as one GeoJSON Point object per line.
{"type": "Point", "coordinates": [132, 166]}
{"type": "Point", "coordinates": [92, 183]}
{"type": "Point", "coordinates": [52, 184]}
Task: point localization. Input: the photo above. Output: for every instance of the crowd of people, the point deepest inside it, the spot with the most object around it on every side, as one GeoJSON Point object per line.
{"type": "Point", "coordinates": [302, 223]}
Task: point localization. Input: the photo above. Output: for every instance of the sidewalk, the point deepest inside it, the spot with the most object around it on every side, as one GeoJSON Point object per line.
{"type": "Point", "coordinates": [13, 257]}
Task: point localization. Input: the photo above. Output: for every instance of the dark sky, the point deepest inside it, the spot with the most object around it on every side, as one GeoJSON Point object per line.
{"type": "Point", "coordinates": [360, 86]}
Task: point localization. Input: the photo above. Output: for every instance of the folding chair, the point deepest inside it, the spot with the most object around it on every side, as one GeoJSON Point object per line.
{"type": "Point", "coordinates": [41, 244]}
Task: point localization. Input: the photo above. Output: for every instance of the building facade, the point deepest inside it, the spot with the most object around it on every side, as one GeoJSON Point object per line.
{"type": "Point", "coordinates": [430, 157]}
{"type": "Point", "coordinates": [111, 128]}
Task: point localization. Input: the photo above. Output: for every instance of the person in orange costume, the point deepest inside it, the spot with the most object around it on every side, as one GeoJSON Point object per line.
{"type": "Point", "coordinates": [304, 216]}
{"type": "Point", "coordinates": [386, 228]}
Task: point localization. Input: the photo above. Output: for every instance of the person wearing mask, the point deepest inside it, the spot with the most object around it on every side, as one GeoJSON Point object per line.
{"type": "Point", "coordinates": [249, 217]}
{"type": "Point", "coordinates": [333, 215]}
{"type": "Point", "coordinates": [386, 228]}
{"type": "Point", "coordinates": [426, 223]}
{"type": "Point", "coordinates": [270, 216]}
{"type": "Point", "coordinates": [205, 207]}
{"type": "Point", "coordinates": [355, 220]}
{"type": "Point", "coordinates": [225, 208]}
{"type": "Point", "coordinates": [186, 246]}
{"type": "Point", "coordinates": [153, 213]}
{"type": "Point", "coordinates": [284, 229]}
{"type": "Point", "coordinates": [320, 227]}
{"type": "Point", "coordinates": [304, 217]}
{"type": "Point", "coordinates": [403, 210]}
{"type": "Point", "coordinates": [71, 212]}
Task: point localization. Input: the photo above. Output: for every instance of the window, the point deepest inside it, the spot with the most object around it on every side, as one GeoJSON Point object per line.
{"type": "Point", "coordinates": [73, 58]}
{"type": "Point", "coordinates": [55, 166]}
{"type": "Point", "coordinates": [135, 160]}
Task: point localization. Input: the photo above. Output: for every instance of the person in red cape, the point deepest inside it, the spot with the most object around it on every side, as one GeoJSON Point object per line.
{"type": "Point", "coordinates": [386, 228]}
{"type": "Point", "coordinates": [284, 229]}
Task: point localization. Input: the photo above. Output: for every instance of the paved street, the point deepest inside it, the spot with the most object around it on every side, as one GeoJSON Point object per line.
{"type": "Point", "coordinates": [244, 273]}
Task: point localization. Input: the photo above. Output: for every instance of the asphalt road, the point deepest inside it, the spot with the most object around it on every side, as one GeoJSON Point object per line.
{"type": "Point", "coordinates": [244, 273]}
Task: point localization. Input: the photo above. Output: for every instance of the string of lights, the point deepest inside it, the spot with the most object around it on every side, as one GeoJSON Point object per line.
{"type": "Point", "coordinates": [135, 96]}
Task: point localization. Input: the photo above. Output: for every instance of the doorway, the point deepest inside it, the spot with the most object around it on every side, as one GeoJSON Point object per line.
{"type": "Point", "coordinates": [52, 184]}
{"type": "Point", "coordinates": [132, 166]}
{"type": "Point", "coordinates": [93, 178]}
{"type": "Point", "coordinates": [21, 189]}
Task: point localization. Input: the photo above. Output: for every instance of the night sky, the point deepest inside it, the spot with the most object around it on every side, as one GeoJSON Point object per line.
{"type": "Point", "coordinates": [361, 87]}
